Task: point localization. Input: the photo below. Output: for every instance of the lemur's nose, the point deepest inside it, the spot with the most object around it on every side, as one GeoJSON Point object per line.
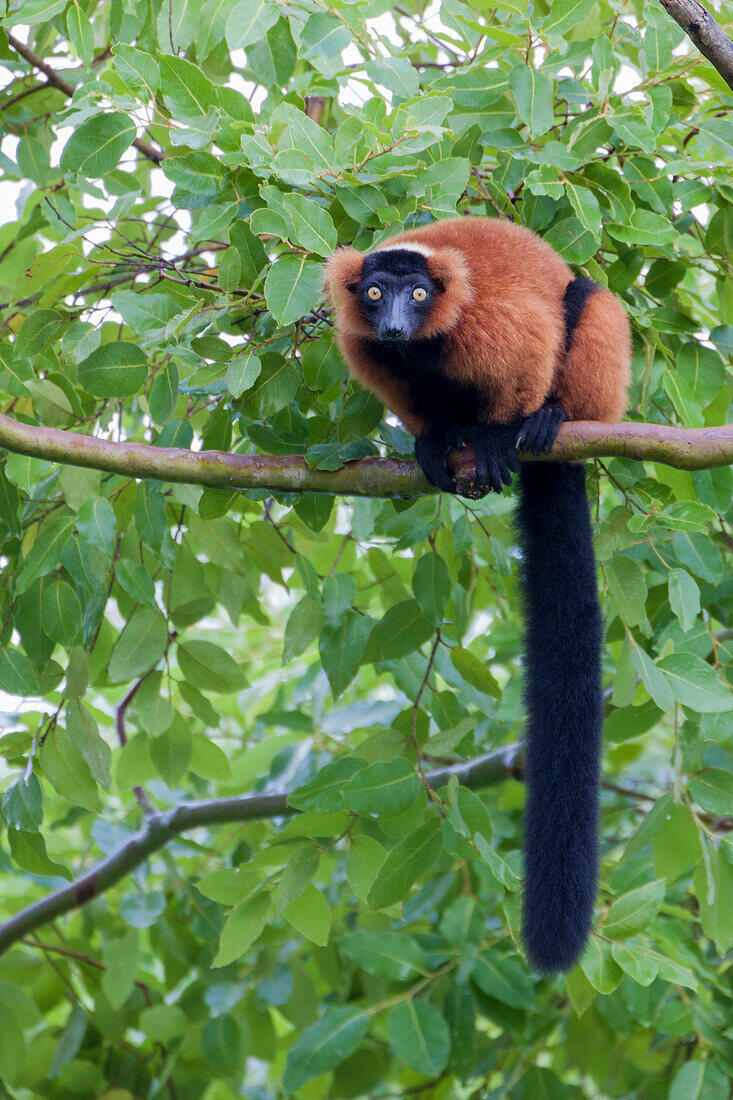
{"type": "Point", "coordinates": [393, 333]}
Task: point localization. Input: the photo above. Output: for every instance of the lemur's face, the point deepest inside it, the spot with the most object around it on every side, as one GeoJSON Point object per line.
{"type": "Point", "coordinates": [395, 293]}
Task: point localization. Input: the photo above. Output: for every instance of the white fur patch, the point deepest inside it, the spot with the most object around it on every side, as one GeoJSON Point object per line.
{"type": "Point", "coordinates": [410, 246]}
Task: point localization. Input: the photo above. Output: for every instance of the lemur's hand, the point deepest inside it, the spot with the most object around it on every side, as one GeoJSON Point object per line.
{"type": "Point", "coordinates": [431, 450]}
{"type": "Point", "coordinates": [538, 432]}
{"type": "Point", "coordinates": [494, 446]}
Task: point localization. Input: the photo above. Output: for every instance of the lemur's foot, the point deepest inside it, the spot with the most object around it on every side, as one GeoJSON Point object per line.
{"type": "Point", "coordinates": [494, 446]}
{"type": "Point", "coordinates": [431, 450]}
{"type": "Point", "coordinates": [538, 432]}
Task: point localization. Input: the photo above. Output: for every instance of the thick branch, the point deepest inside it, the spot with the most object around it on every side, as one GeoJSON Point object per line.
{"type": "Point", "coordinates": [697, 22]}
{"type": "Point", "coordinates": [687, 449]}
{"type": "Point", "coordinates": [160, 828]}
{"type": "Point", "coordinates": [62, 85]}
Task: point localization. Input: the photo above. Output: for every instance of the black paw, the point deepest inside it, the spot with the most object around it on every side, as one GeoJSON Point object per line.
{"type": "Point", "coordinates": [538, 432]}
{"type": "Point", "coordinates": [431, 450]}
{"type": "Point", "coordinates": [494, 446]}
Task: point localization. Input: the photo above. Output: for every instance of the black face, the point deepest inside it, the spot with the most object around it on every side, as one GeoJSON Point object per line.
{"type": "Point", "coordinates": [395, 293]}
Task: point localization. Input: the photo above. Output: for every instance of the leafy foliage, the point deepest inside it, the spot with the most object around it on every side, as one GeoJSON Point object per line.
{"type": "Point", "coordinates": [163, 643]}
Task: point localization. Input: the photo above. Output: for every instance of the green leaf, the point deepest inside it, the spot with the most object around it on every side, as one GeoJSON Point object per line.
{"type": "Point", "coordinates": [413, 857]}
{"type": "Point", "coordinates": [45, 553]}
{"type": "Point", "coordinates": [208, 667]}
{"type": "Point", "coordinates": [114, 370]}
{"type": "Point", "coordinates": [474, 672]}
{"type": "Point", "coordinates": [272, 58]}
{"type": "Point", "coordinates": [564, 15]}
{"type": "Point", "coordinates": [67, 771]}
{"type": "Point", "coordinates": [9, 504]}
{"type": "Point", "coordinates": [161, 1023]}
{"type": "Point", "coordinates": [628, 590]}
{"type": "Point", "coordinates": [187, 92]}
{"type": "Point", "coordinates": [17, 675]}
{"type": "Point", "coordinates": [142, 910]}
{"type": "Point", "coordinates": [365, 857]}
{"type": "Point", "coordinates": [572, 240]}
{"type": "Point", "coordinates": [82, 730]}
{"type": "Point", "coordinates": [634, 911]}
{"type": "Point", "coordinates": [37, 11]}
{"type": "Point", "coordinates": [503, 978]}
{"type": "Point", "coordinates": [402, 630]}
{"type": "Point", "coordinates": [635, 963]}
{"type": "Point", "coordinates": [248, 21]}
{"type": "Point", "coordinates": [324, 794]}
{"type": "Point", "coordinates": [654, 680]}
{"type": "Point", "coordinates": [695, 684]}
{"type": "Point", "coordinates": [297, 874]}
{"type": "Point", "coordinates": [324, 36]}
{"type": "Point", "coordinates": [676, 846]}
{"type": "Point", "coordinates": [341, 649]}
{"type": "Point", "coordinates": [534, 94]}
{"type": "Point", "coordinates": [22, 806]}
{"type": "Point", "coordinates": [120, 958]}
{"type": "Point", "coordinates": [147, 312]}
{"type": "Point", "coordinates": [599, 967]}
{"type": "Point", "coordinates": [292, 288]}
{"type": "Point", "coordinates": [171, 750]}
{"type": "Point", "coordinates": [338, 594]}
{"type": "Point", "coordinates": [626, 722]}
{"type": "Point", "coordinates": [28, 850]}
{"type": "Point", "coordinates": [714, 889]}
{"type": "Point", "coordinates": [699, 1080]}
{"type": "Point", "coordinates": [324, 1045]}
{"type": "Point", "coordinates": [252, 255]}
{"type": "Point", "coordinates": [431, 584]}
{"type": "Point", "coordinates": [312, 225]}
{"type": "Point", "coordinates": [243, 926]}
{"type": "Point", "coordinates": [712, 789]}
{"type": "Point", "coordinates": [136, 582]}
{"type": "Point", "coordinates": [310, 915]}
{"type": "Point", "coordinates": [95, 148]}
{"type": "Point", "coordinates": [419, 1036]}
{"type": "Point", "coordinates": [137, 68]}
{"type": "Point", "coordinates": [303, 627]}
{"type": "Point", "coordinates": [390, 954]}
{"type": "Point", "coordinates": [387, 787]}
{"type": "Point", "coordinates": [242, 373]}
{"type": "Point", "coordinates": [684, 597]}
{"type": "Point", "coordinates": [140, 646]}
{"type": "Point", "coordinates": [644, 227]}
{"type": "Point", "coordinates": [96, 523]}
{"type": "Point", "coordinates": [222, 1044]}
{"type": "Point", "coordinates": [81, 34]}
{"type": "Point", "coordinates": [396, 74]}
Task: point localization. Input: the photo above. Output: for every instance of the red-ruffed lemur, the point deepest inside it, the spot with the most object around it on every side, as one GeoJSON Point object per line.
{"type": "Point", "coordinates": [473, 330]}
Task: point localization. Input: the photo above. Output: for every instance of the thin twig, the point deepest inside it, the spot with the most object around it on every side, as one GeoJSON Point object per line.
{"type": "Point", "coordinates": [162, 827]}
{"type": "Point", "coordinates": [140, 793]}
{"type": "Point", "coordinates": [57, 81]}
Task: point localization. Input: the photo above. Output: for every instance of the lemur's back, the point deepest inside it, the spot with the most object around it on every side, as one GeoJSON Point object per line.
{"type": "Point", "coordinates": [517, 310]}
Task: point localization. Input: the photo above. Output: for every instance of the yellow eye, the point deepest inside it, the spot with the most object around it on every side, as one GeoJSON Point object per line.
{"type": "Point", "coordinates": [419, 293]}
{"type": "Point", "coordinates": [374, 293]}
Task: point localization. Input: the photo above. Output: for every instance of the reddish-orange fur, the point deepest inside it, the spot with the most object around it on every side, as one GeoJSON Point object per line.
{"type": "Point", "coordinates": [502, 320]}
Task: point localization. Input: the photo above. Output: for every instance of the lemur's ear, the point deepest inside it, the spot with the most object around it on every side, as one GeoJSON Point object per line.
{"type": "Point", "coordinates": [450, 273]}
{"type": "Point", "coordinates": [342, 273]}
{"type": "Point", "coordinates": [448, 269]}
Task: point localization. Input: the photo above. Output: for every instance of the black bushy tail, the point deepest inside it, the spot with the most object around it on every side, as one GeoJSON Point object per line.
{"type": "Point", "coordinates": [563, 693]}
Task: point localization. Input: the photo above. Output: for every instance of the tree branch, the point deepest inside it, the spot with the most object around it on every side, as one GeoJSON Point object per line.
{"type": "Point", "coordinates": [703, 31]}
{"type": "Point", "coordinates": [684, 448]}
{"type": "Point", "coordinates": [62, 85]}
{"type": "Point", "coordinates": [160, 828]}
